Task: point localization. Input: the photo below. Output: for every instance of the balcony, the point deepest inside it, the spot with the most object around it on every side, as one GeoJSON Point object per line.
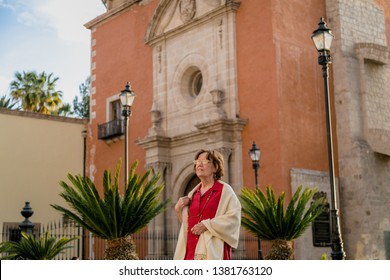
{"type": "Point", "coordinates": [111, 130]}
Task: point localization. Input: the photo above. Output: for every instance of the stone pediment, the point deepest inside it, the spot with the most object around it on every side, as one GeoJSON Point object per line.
{"type": "Point", "coordinates": [171, 15]}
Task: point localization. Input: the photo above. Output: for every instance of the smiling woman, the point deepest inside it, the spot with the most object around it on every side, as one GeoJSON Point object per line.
{"type": "Point", "coordinates": [210, 214]}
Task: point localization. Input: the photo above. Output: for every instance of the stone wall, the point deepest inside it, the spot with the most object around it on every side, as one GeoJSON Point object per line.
{"type": "Point", "coordinates": [304, 248]}
{"type": "Point", "coordinates": [362, 110]}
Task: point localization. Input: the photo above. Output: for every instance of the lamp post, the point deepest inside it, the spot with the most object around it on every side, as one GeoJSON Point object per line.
{"type": "Point", "coordinates": [127, 98]}
{"type": "Point", "coordinates": [255, 154]}
{"type": "Point", "coordinates": [322, 38]}
{"type": "Point", "coordinates": [84, 134]}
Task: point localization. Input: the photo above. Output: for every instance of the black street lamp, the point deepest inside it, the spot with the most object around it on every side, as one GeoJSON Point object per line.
{"type": "Point", "coordinates": [322, 38]}
{"type": "Point", "coordinates": [127, 98]}
{"type": "Point", "coordinates": [255, 154]}
{"type": "Point", "coordinates": [84, 134]}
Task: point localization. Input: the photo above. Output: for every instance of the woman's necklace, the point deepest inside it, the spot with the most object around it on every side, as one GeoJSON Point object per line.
{"type": "Point", "coordinates": [200, 213]}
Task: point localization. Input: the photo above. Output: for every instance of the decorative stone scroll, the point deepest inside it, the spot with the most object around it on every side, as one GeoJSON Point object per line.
{"type": "Point", "coordinates": [187, 9]}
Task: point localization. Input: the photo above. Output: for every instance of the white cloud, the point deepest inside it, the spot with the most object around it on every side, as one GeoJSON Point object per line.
{"type": "Point", "coordinates": [7, 4]}
{"type": "Point", "coordinates": [27, 18]}
{"type": "Point", "coordinates": [68, 17]}
{"type": "Point", "coordinates": [53, 39]}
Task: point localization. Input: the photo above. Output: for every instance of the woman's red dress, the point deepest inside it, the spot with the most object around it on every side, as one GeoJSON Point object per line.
{"type": "Point", "coordinates": [203, 207]}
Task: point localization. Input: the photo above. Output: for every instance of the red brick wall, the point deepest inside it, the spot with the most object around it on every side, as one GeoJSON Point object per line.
{"type": "Point", "coordinates": [122, 56]}
{"type": "Point", "coordinates": [281, 88]}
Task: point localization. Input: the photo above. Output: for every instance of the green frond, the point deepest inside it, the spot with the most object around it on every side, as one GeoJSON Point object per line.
{"type": "Point", "coordinates": [28, 248]}
{"type": "Point", "coordinates": [267, 218]}
{"type": "Point", "coordinates": [113, 215]}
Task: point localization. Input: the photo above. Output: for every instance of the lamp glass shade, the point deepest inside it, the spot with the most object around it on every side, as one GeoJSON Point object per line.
{"type": "Point", "coordinates": [254, 152]}
{"type": "Point", "coordinates": [322, 40]}
{"type": "Point", "coordinates": [127, 96]}
{"type": "Point", "coordinates": [322, 37]}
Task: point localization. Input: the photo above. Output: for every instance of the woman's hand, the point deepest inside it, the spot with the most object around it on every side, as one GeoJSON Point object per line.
{"type": "Point", "coordinates": [198, 229]}
{"type": "Point", "coordinates": [181, 203]}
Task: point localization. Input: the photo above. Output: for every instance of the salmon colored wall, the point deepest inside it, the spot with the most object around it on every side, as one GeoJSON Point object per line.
{"type": "Point", "coordinates": [125, 51]}
{"type": "Point", "coordinates": [257, 90]}
{"type": "Point", "coordinates": [300, 81]}
{"type": "Point", "coordinates": [385, 4]}
{"type": "Point", "coordinates": [281, 88]}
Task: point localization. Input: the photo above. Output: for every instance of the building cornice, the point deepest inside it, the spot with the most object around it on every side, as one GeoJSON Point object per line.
{"type": "Point", "coordinates": [110, 13]}
{"type": "Point", "coordinates": [152, 38]}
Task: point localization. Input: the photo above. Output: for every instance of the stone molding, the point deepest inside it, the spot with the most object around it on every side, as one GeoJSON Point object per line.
{"type": "Point", "coordinates": [377, 53]}
{"type": "Point", "coordinates": [374, 61]}
{"type": "Point", "coordinates": [156, 30]}
{"type": "Point", "coordinates": [214, 130]}
{"type": "Point", "coordinates": [112, 10]}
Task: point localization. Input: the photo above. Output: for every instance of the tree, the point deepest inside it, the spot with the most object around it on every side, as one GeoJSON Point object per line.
{"type": "Point", "coordinates": [46, 248]}
{"type": "Point", "coordinates": [81, 108]}
{"type": "Point", "coordinates": [36, 92]}
{"type": "Point", "coordinates": [114, 217]}
{"type": "Point", "coordinates": [65, 110]}
{"type": "Point", "coordinates": [6, 102]}
{"type": "Point", "coordinates": [266, 217]}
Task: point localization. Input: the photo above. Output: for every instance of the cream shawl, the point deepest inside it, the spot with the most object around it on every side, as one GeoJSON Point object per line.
{"type": "Point", "coordinates": [224, 227]}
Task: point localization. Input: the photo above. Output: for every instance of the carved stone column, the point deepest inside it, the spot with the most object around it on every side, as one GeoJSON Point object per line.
{"type": "Point", "coordinates": [157, 241]}
{"type": "Point", "coordinates": [226, 152]}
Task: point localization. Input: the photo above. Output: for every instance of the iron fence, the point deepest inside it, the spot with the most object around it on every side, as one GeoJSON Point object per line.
{"type": "Point", "coordinates": [156, 245]}
{"type": "Point", "coordinates": [58, 229]}
{"type": "Point", "coordinates": [150, 245]}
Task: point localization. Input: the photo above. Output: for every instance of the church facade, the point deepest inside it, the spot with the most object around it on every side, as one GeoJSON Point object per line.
{"type": "Point", "coordinates": [220, 74]}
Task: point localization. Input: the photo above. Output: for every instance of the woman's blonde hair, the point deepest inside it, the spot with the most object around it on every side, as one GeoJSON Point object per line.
{"type": "Point", "coordinates": [216, 159]}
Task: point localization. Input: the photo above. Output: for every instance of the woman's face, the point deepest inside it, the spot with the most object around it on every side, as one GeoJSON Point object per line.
{"type": "Point", "coordinates": [204, 168]}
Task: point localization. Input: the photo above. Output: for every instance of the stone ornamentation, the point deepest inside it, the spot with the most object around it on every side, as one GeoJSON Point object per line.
{"type": "Point", "coordinates": [187, 9]}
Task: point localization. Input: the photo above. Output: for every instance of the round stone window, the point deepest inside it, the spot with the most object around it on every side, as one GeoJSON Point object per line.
{"type": "Point", "coordinates": [196, 82]}
{"type": "Point", "coordinates": [191, 83]}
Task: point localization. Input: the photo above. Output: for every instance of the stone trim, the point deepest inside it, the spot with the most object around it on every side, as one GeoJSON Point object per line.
{"type": "Point", "coordinates": [151, 36]}
{"type": "Point", "coordinates": [374, 61]}
{"type": "Point", "coordinates": [110, 13]}
{"type": "Point", "coordinates": [377, 53]}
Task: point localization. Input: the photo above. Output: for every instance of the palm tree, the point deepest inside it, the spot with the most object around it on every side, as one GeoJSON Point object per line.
{"type": "Point", "coordinates": [36, 92]}
{"type": "Point", "coordinates": [65, 110]}
{"type": "Point", "coordinates": [266, 217]}
{"type": "Point", "coordinates": [46, 248]}
{"type": "Point", "coordinates": [5, 102]}
{"type": "Point", "coordinates": [114, 217]}
{"type": "Point", "coordinates": [49, 98]}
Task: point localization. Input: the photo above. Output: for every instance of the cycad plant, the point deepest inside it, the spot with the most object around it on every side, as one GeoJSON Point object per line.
{"type": "Point", "coordinates": [114, 217]}
{"type": "Point", "coordinates": [268, 219]}
{"type": "Point", "coordinates": [28, 248]}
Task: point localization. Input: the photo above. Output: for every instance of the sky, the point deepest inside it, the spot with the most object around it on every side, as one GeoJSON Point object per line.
{"type": "Point", "coordinates": [47, 35]}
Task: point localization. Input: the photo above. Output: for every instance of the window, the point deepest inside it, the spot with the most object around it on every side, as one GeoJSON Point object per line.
{"type": "Point", "coordinates": [113, 128]}
{"type": "Point", "coordinates": [191, 83]}
{"type": "Point", "coordinates": [115, 110]}
{"type": "Point", "coordinates": [196, 82]}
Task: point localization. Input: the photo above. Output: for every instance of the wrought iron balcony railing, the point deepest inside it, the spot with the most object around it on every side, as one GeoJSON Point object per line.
{"type": "Point", "coordinates": [111, 129]}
